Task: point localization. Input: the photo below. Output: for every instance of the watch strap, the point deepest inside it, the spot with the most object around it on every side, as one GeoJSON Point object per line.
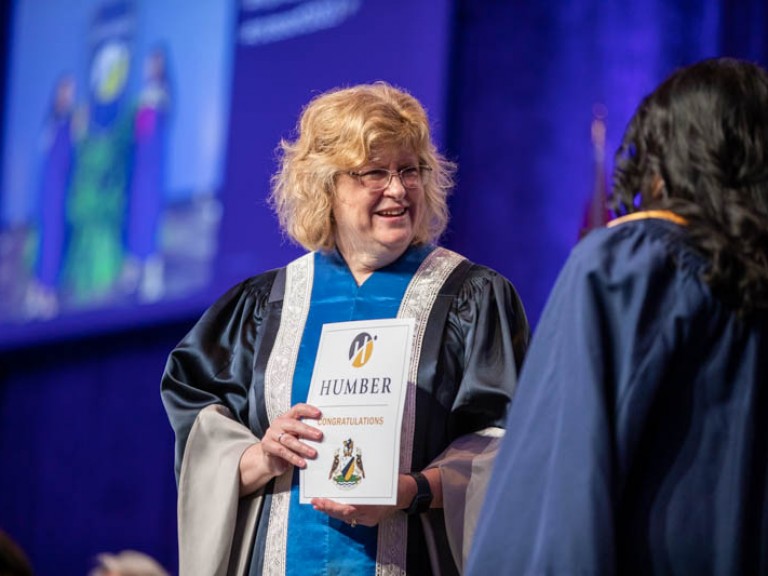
{"type": "Point", "coordinates": [423, 498]}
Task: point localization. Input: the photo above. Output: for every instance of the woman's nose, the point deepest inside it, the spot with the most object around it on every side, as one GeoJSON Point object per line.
{"type": "Point", "coordinates": [395, 188]}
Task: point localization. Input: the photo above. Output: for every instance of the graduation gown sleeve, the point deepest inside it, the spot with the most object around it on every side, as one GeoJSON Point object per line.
{"type": "Point", "coordinates": [216, 525]}
{"type": "Point", "coordinates": [213, 364]}
{"type": "Point", "coordinates": [483, 346]}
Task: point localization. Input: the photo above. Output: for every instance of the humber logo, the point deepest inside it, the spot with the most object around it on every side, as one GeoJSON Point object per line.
{"type": "Point", "coordinates": [361, 349]}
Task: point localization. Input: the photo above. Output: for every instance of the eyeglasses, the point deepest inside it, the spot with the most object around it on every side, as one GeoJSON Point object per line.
{"type": "Point", "coordinates": [381, 178]}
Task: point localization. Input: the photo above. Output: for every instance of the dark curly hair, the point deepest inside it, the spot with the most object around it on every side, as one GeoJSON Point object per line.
{"type": "Point", "coordinates": [698, 146]}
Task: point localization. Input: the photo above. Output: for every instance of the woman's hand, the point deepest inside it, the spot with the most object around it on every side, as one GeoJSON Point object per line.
{"type": "Point", "coordinates": [353, 515]}
{"type": "Point", "coordinates": [372, 515]}
{"type": "Point", "coordinates": [282, 442]}
{"type": "Point", "coordinates": [280, 448]}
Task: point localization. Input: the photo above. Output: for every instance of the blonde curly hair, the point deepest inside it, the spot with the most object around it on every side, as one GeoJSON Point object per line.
{"type": "Point", "coordinates": [340, 130]}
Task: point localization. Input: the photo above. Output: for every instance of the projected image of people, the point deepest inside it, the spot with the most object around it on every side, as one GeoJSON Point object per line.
{"type": "Point", "coordinates": [110, 200]}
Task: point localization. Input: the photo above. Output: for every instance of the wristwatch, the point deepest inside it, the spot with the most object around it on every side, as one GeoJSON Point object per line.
{"type": "Point", "coordinates": [423, 498]}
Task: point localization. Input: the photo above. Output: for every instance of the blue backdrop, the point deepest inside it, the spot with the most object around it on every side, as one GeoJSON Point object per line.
{"type": "Point", "coordinates": [85, 449]}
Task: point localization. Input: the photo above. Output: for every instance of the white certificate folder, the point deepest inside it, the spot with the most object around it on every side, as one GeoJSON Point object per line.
{"type": "Point", "coordinates": [359, 383]}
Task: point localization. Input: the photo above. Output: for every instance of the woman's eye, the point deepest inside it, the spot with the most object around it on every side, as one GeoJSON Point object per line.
{"type": "Point", "coordinates": [376, 175]}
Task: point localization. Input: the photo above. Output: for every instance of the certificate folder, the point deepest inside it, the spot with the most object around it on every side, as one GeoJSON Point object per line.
{"type": "Point", "coordinates": [359, 383]}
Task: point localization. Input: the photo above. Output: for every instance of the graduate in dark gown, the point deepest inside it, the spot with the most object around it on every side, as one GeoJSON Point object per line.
{"type": "Point", "coordinates": [58, 149]}
{"type": "Point", "coordinates": [637, 442]}
{"type": "Point", "coordinates": [143, 266]}
{"type": "Point", "coordinates": [364, 190]}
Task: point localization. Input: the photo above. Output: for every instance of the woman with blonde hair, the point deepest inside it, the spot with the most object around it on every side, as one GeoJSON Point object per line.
{"type": "Point", "coordinates": [364, 190]}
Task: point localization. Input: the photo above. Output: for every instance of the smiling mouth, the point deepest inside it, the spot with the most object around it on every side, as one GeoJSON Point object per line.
{"type": "Point", "coordinates": [394, 213]}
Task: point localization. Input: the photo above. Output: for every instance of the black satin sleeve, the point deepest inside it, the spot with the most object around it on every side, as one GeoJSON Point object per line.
{"type": "Point", "coordinates": [467, 383]}
{"type": "Point", "coordinates": [213, 364]}
{"type": "Point", "coordinates": [490, 320]}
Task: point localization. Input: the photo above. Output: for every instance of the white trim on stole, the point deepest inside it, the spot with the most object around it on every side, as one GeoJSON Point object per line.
{"type": "Point", "coordinates": [278, 381]}
{"type": "Point", "coordinates": [417, 303]}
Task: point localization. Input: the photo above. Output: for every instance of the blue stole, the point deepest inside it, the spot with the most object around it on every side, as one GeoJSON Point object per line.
{"type": "Point", "coordinates": [318, 544]}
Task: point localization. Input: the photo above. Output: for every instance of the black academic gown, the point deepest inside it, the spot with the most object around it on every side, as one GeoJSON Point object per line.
{"type": "Point", "coordinates": [473, 346]}
{"type": "Point", "coordinates": [637, 442]}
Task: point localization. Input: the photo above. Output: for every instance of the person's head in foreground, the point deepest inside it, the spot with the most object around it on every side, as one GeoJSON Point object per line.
{"type": "Point", "coordinates": [127, 563]}
{"type": "Point", "coordinates": [698, 146]}
{"type": "Point", "coordinates": [13, 560]}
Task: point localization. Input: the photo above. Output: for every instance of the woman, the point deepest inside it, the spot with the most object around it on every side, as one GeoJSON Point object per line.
{"type": "Point", "coordinates": [637, 440]}
{"type": "Point", "coordinates": [364, 190]}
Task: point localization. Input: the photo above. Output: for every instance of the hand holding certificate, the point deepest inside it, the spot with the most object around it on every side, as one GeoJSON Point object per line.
{"type": "Point", "coordinates": [359, 383]}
